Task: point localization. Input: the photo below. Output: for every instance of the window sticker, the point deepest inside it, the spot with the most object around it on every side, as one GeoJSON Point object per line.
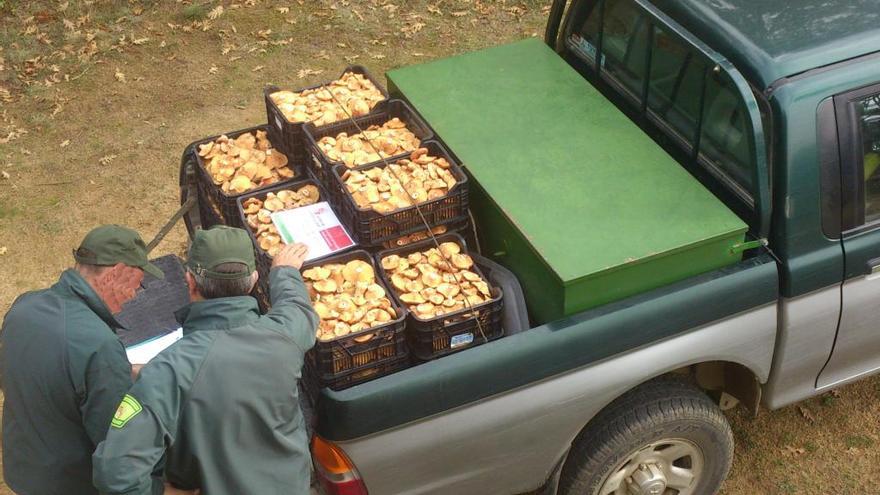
{"type": "Point", "coordinates": [584, 48]}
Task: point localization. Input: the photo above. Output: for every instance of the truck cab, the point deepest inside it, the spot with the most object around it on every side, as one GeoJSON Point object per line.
{"type": "Point", "coordinates": [781, 122]}
{"type": "Point", "coordinates": [776, 111]}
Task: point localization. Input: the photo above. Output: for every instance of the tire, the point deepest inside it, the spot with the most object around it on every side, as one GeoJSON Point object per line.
{"type": "Point", "coordinates": [665, 431]}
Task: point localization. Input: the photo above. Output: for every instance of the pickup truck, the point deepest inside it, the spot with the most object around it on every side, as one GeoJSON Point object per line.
{"type": "Point", "coordinates": [776, 111]}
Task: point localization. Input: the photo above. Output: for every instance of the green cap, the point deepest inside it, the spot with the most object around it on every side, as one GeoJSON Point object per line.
{"type": "Point", "coordinates": [110, 244]}
{"type": "Point", "coordinates": [217, 245]}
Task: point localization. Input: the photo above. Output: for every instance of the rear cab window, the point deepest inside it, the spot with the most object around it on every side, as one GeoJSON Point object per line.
{"type": "Point", "coordinates": [868, 114]}
{"type": "Point", "coordinates": [858, 117]}
{"type": "Point", "coordinates": [678, 89]}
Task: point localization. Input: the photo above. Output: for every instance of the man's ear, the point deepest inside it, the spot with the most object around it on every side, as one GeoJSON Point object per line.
{"type": "Point", "coordinates": [190, 281]}
{"type": "Point", "coordinates": [113, 286]}
{"type": "Point", "coordinates": [194, 294]}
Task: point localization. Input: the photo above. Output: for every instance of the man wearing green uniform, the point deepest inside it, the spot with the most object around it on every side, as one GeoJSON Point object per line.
{"type": "Point", "coordinates": [221, 405]}
{"type": "Point", "coordinates": [63, 368]}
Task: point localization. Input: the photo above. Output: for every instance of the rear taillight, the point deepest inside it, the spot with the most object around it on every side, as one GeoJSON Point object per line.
{"type": "Point", "coordinates": [334, 469]}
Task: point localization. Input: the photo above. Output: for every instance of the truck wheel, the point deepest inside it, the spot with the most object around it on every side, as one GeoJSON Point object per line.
{"type": "Point", "coordinates": [665, 437]}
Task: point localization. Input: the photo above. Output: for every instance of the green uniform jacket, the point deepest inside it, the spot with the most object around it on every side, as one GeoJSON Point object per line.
{"type": "Point", "coordinates": [221, 404]}
{"type": "Point", "coordinates": [64, 372]}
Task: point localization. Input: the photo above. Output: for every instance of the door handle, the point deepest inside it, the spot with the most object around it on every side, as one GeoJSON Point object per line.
{"type": "Point", "coordinates": [874, 266]}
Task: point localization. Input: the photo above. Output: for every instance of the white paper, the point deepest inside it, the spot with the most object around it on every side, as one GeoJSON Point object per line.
{"type": "Point", "coordinates": [143, 352]}
{"type": "Point", "coordinates": [315, 226]}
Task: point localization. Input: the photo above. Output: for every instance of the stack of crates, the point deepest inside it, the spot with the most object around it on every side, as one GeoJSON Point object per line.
{"type": "Point", "coordinates": [353, 358]}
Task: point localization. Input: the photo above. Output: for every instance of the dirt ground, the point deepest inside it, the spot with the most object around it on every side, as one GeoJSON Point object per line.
{"type": "Point", "coordinates": [99, 97]}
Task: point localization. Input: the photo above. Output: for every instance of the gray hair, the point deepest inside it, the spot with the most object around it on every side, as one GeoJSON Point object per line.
{"type": "Point", "coordinates": [91, 271]}
{"type": "Point", "coordinates": [213, 288]}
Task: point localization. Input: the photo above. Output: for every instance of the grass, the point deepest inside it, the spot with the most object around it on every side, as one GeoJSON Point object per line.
{"type": "Point", "coordinates": [55, 194]}
{"type": "Point", "coordinates": [196, 12]}
{"type": "Point", "coordinates": [858, 442]}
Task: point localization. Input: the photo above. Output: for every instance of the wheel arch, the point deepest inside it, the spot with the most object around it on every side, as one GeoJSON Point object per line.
{"type": "Point", "coordinates": [715, 377]}
{"type": "Point", "coordinates": [728, 382]}
{"type": "Point", "coordinates": [680, 392]}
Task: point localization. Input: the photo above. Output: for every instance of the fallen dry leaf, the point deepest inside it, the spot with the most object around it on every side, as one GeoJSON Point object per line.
{"type": "Point", "coordinates": [105, 160]}
{"type": "Point", "coordinates": [257, 68]}
{"type": "Point", "coordinates": [119, 75]}
{"type": "Point", "coordinates": [793, 451]}
{"type": "Point", "coordinates": [65, 143]}
{"type": "Point", "coordinates": [5, 174]}
{"type": "Point", "coordinates": [282, 10]}
{"type": "Point", "coordinates": [140, 41]}
{"type": "Point", "coordinates": [213, 69]}
{"type": "Point", "coordinates": [807, 414]}
{"type": "Point", "coordinates": [3, 250]}
{"type": "Point", "coordinates": [217, 12]}
{"type": "Point", "coordinates": [307, 72]}
{"type": "Point", "coordinates": [13, 135]}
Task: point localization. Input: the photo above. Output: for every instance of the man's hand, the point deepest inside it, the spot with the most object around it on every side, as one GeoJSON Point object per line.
{"type": "Point", "coordinates": [170, 490]}
{"type": "Point", "coordinates": [291, 255]}
{"type": "Point", "coordinates": [136, 370]}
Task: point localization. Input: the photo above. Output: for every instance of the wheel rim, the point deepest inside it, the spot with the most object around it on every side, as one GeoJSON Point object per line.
{"type": "Point", "coordinates": [665, 467]}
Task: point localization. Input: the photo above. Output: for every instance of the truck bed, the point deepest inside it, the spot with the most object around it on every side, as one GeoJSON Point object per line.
{"type": "Point", "coordinates": [546, 351]}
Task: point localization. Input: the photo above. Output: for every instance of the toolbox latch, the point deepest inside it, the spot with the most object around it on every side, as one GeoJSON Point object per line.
{"type": "Point", "coordinates": [745, 246]}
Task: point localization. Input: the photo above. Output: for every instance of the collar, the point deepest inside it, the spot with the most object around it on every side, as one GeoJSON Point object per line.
{"type": "Point", "coordinates": [217, 314]}
{"type": "Point", "coordinates": [71, 281]}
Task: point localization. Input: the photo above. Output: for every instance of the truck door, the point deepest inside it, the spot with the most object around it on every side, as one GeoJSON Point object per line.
{"type": "Point", "coordinates": [857, 346]}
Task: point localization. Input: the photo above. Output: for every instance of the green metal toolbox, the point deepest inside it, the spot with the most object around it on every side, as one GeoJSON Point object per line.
{"type": "Point", "coordinates": [568, 193]}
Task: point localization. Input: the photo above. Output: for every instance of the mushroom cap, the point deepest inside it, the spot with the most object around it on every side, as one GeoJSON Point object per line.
{"type": "Point", "coordinates": [358, 271]}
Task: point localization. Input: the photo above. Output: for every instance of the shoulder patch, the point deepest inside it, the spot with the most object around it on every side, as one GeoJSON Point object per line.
{"type": "Point", "coordinates": [128, 408]}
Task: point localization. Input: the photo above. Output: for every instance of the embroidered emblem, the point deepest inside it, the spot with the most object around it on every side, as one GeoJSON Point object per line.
{"type": "Point", "coordinates": [128, 408]}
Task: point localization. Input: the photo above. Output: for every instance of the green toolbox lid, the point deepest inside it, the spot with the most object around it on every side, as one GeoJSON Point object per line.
{"type": "Point", "coordinates": [588, 189]}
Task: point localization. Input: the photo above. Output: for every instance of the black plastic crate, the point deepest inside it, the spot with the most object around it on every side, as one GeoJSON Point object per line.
{"type": "Point", "coordinates": [289, 136]}
{"type": "Point", "coordinates": [261, 294]}
{"type": "Point", "coordinates": [264, 261]}
{"type": "Point", "coordinates": [227, 204]}
{"type": "Point", "coordinates": [399, 242]}
{"type": "Point", "coordinates": [321, 165]}
{"type": "Point", "coordinates": [452, 332]}
{"type": "Point", "coordinates": [315, 382]}
{"type": "Point", "coordinates": [371, 228]}
{"type": "Point", "coordinates": [207, 212]}
{"type": "Point", "coordinates": [368, 353]}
